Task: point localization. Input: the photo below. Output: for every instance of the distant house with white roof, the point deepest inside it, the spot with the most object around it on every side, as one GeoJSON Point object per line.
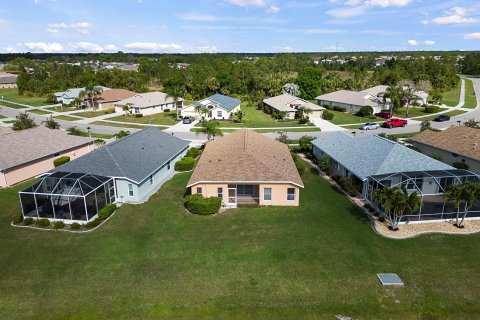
{"type": "Point", "coordinates": [217, 106]}
{"type": "Point", "coordinates": [149, 103]}
{"type": "Point", "coordinates": [289, 104]}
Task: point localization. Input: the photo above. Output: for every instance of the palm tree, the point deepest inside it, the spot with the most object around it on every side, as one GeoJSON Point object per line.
{"type": "Point", "coordinates": [50, 123]}
{"type": "Point", "coordinates": [211, 129]}
{"type": "Point", "coordinates": [303, 112]}
{"type": "Point", "coordinates": [91, 92]}
{"type": "Point", "coordinates": [395, 202]}
{"type": "Point", "coordinates": [239, 114]}
{"type": "Point", "coordinates": [409, 93]}
{"type": "Point", "coordinates": [455, 194]}
{"type": "Point", "coordinates": [466, 193]}
{"type": "Point", "coordinates": [395, 94]}
{"type": "Point", "coordinates": [175, 93]}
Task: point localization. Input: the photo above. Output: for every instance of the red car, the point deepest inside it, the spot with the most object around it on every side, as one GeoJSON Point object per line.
{"type": "Point", "coordinates": [384, 115]}
{"type": "Point", "coordinates": [395, 122]}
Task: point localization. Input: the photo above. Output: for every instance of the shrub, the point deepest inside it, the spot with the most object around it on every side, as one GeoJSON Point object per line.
{"type": "Point", "coordinates": [62, 160]}
{"type": "Point", "coordinates": [460, 165]}
{"type": "Point", "coordinates": [431, 109]}
{"type": "Point", "coordinates": [194, 152]}
{"type": "Point", "coordinates": [367, 206]}
{"type": "Point", "coordinates": [43, 223]}
{"type": "Point", "coordinates": [348, 186]}
{"type": "Point", "coordinates": [198, 204]}
{"type": "Point", "coordinates": [93, 223]}
{"type": "Point", "coordinates": [327, 115]}
{"type": "Point", "coordinates": [186, 164]}
{"type": "Point", "coordinates": [18, 218]}
{"type": "Point", "coordinates": [340, 109]}
{"type": "Point", "coordinates": [371, 116]}
{"type": "Point", "coordinates": [365, 111]}
{"type": "Point", "coordinates": [106, 211]}
{"type": "Point", "coordinates": [75, 226]}
{"type": "Point", "coordinates": [138, 115]}
{"type": "Point", "coordinates": [58, 225]}
{"type": "Point", "coordinates": [327, 106]}
{"type": "Point", "coordinates": [27, 221]}
{"type": "Point", "coordinates": [166, 110]}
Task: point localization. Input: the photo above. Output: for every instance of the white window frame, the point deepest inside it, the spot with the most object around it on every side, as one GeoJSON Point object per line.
{"type": "Point", "coordinates": [289, 194]}
{"type": "Point", "coordinates": [130, 190]}
{"type": "Point", "coordinates": [219, 114]}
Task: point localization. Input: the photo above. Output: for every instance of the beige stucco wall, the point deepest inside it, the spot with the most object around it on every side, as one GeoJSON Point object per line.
{"type": "Point", "coordinates": [27, 171]}
{"type": "Point", "coordinates": [279, 193]}
{"type": "Point", "coordinates": [447, 157]}
{"type": "Point", "coordinates": [8, 86]}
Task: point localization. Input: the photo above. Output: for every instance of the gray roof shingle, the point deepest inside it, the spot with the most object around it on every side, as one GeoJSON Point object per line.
{"type": "Point", "coordinates": [134, 157]}
{"type": "Point", "coordinates": [373, 155]}
{"type": "Point", "coordinates": [227, 103]}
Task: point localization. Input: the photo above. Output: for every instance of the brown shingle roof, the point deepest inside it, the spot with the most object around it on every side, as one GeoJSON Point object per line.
{"type": "Point", "coordinates": [19, 147]}
{"type": "Point", "coordinates": [246, 156]}
{"type": "Point", "coordinates": [115, 95]}
{"type": "Point", "coordinates": [461, 140]}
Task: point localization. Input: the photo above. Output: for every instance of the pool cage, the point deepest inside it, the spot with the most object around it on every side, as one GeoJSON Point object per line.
{"type": "Point", "coordinates": [430, 186]}
{"type": "Point", "coordinates": [69, 197]}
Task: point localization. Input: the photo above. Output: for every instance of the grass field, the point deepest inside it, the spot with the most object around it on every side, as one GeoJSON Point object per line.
{"type": "Point", "coordinates": [119, 125]}
{"type": "Point", "coordinates": [11, 94]}
{"type": "Point", "coordinates": [413, 112]}
{"type": "Point", "coordinates": [163, 118]}
{"type": "Point", "coordinates": [67, 118]}
{"type": "Point", "coordinates": [60, 109]}
{"type": "Point", "coordinates": [306, 129]}
{"type": "Point", "coordinates": [91, 114]}
{"type": "Point", "coordinates": [451, 98]}
{"type": "Point", "coordinates": [450, 113]}
{"type": "Point", "coordinates": [155, 260]}
{"type": "Point", "coordinates": [258, 119]}
{"type": "Point", "coordinates": [470, 98]}
{"type": "Point", "coordinates": [348, 118]}
{"type": "Point", "coordinates": [39, 111]}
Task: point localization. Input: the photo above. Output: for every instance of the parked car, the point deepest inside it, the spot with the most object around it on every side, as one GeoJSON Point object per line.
{"type": "Point", "coordinates": [187, 120]}
{"type": "Point", "coordinates": [442, 118]}
{"type": "Point", "coordinates": [384, 115]}
{"type": "Point", "coordinates": [395, 122]}
{"type": "Point", "coordinates": [369, 126]}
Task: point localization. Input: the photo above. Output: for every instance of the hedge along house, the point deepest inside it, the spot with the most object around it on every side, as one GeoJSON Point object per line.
{"type": "Point", "coordinates": [149, 103]}
{"type": "Point", "coordinates": [28, 153]}
{"type": "Point", "coordinates": [246, 167]}
{"type": "Point", "coordinates": [216, 107]}
{"type": "Point", "coordinates": [374, 162]}
{"type": "Point", "coordinates": [130, 169]}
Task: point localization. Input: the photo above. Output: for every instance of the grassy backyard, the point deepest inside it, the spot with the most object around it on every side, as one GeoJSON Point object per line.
{"type": "Point", "coordinates": [154, 261]}
{"type": "Point", "coordinates": [163, 118]}
{"type": "Point", "coordinates": [11, 94]}
{"type": "Point", "coordinates": [470, 98]}
{"type": "Point", "coordinates": [258, 119]}
{"type": "Point", "coordinates": [452, 97]}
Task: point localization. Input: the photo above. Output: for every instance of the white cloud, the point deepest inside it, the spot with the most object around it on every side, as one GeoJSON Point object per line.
{"type": "Point", "coordinates": [9, 50]}
{"type": "Point", "coordinates": [50, 30]}
{"type": "Point", "coordinates": [456, 15]}
{"type": "Point", "coordinates": [153, 47]}
{"type": "Point", "coordinates": [82, 27]}
{"type": "Point", "coordinates": [358, 7]}
{"type": "Point", "coordinates": [35, 1]}
{"type": "Point", "coordinates": [475, 35]}
{"type": "Point", "coordinates": [424, 22]}
{"type": "Point", "coordinates": [208, 49]}
{"type": "Point", "coordinates": [44, 47]}
{"type": "Point", "coordinates": [347, 12]}
{"type": "Point", "coordinates": [412, 42]}
{"type": "Point", "coordinates": [387, 3]}
{"type": "Point", "coordinates": [85, 47]}
{"type": "Point", "coordinates": [248, 3]}
{"type": "Point", "coordinates": [273, 9]}
{"type": "Point", "coordinates": [430, 42]}
{"type": "Point", "coordinates": [57, 25]}
{"type": "Point", "coordinates": [110, 47]}
{"type": "Point", "coordinates": [287, 49]}
{"type": "Point", "coordinates": [199, 17]}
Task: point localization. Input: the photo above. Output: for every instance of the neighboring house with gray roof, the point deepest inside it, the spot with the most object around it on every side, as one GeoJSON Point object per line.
{"type": "Point", "coordinates": [67, 97]}
{"type": "Point", "coordinates": [8, 80]}
{"type": "Point", "coordinates": [217, 106]}
{"type": "Point", "coordinates": [290, 104]}
{"type": "Point", "coordinates": [139, 163]}
{"type": "Point", "coordinates": [352, 101]}
{"type": "Point", "coordinates": [374, 162]}
{"type": "Point", "coordinates": [28, 153]}
{"type": "Point", "coordinates": [149, 103]}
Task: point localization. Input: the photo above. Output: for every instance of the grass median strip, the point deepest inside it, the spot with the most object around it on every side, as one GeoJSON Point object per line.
{"type": "Point", "coordinates": [119, 125]}
{"type": "Point", "coordinates": [470, 98]}
{"type": "Point", "coordinates": [39, 111]}
{"type": "Point", "coordinates": [67, 118]}
{"type": "Point", "coordinates": [452, 97]}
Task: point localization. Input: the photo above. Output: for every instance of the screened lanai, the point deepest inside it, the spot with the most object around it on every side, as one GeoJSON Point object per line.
{"type": "Point", "coordinates": [67, 196]}
{"type": "Point", "coordinates": [430, 186]}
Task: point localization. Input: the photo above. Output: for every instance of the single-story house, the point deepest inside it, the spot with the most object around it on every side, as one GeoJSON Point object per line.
{"type": "Point", "coordinates": [246, 167]}
{"type": "Point", "coordinates": [28, 153]}
{"type": "Point", "coordinates": [352, 101]}
{"type": "Point", "coordinates": [8, 80]}
{"type": "Point", "coordinates": [380, 90]}
{"type": "Point", "coordinates": [67, 97]}
{"type": "Point", "coordinates": [107, 99]}
{"type": "Point", "coordinates": [149, 103]}
{"type": "Point", "coordinates": [218, 107]}
{"type": "Point", "coordinates": [374, 162]}
{"type": "Point", "coordinates": [290, 104]}
{"type": "Point", "coordinates": [128, 170]}
{"type": "Point", "coordinates": [454, 145]}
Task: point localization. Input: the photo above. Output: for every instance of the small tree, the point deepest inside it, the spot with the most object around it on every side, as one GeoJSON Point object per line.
{"type": "Point", "coordinates": [303, 112]}
{"type": "Point", "coordinates": [425, 125]}
{"type": "Point", "coordinates": [126, 109]}
{"type": "Point", "coordinates": [282, 137]}
{"type": "Point", "coordinates": [465, 193]}
{"type": "Point", "coordinates": [24, 121]}
{"type": "Point", "coordinates": [365, 111]}
{"type": "Point", "coordinates": [121, 134]}
{"type": "Point", "coordinates": [306, 143]}
{"type": "Point", "coordinates": [74, 131]}
{"type": "Point", "coordinates": [325, 164]}
{"type": "Point", "coordinates": [50, 123]}
{"type": "Point", "coordinates": [395, 202]}
{"type": "Point", "coordinates": [211, 129]}
{"type": "Point", "coordinates": [239, 115]}
{"type": "Point", "coordinates": [472, 123]}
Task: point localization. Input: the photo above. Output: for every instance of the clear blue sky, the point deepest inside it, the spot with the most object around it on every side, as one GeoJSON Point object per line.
{"type": "Point", "coordinates": [238, 25]}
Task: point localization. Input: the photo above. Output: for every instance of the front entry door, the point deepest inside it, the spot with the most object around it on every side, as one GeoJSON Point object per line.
{"type": "Point", "coordinates": [232, 197]}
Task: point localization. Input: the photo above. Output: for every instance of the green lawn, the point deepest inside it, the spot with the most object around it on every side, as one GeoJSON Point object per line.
{"type": "Point", "coordinates": [67, 118]}
{"type": "Point", "coordinates": [255, 118]}
{"type": "Point", "coordinates": [39, 111]}
{"type": "Point", "coordinates": [11, 94]}
{"type": "Point", "coordinates": [91, 114]}
{"type": "Point", "coordinates": [348, 118]}
{"type": "Point", "coordinates": [413, 112]}
{"type": "Point", "coordinates": [2, 117]}
{"type": "Point", "coordinates": [452, 113]}
{"type": "Point", "coordinates": [306, 129]}
{"type": "Point", "coordinates": [163, 118]}
{"type": "Point", "coordinates": [102, 135]}
{"type": "Point", "coordinates": [156, 261]}
{"type": "Point", "coordinates": [120, 125]}
{"type": "Point", "coordinates": [61, 109]}
{"type": "Point", "coordinates": [452, 97]}
{"type": "Point", "coordinates": [470, 98]}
